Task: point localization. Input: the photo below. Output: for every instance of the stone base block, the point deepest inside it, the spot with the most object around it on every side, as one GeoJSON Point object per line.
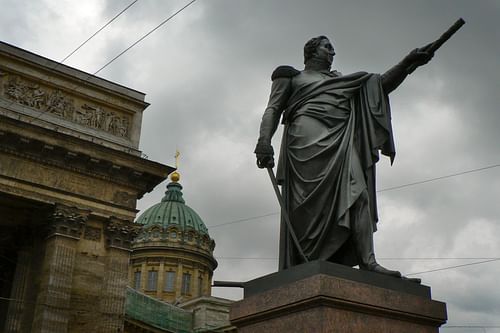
{"type": "Point", "coordinates": [322, 297]}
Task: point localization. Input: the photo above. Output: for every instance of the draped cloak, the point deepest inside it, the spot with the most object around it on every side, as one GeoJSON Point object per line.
{"type": "Point", "coordinates": [335, 127]}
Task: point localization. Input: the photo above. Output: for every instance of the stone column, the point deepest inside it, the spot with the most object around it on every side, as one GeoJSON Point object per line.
{"type": "Point", "coordinates": [119, 235]}
{"type": "Point", "coordinates": [20, 285]}
{"type": "Point", "coordinates": [52, 310]}
{"type": "Point", "coordinates": [209, 283]}
{"type": "Point", "coordinates": [206, 283]}
{"type": "Point", "coordinates": [161, 280]}
{"type": "Point", "coordinates": [195, 282]}
{"type": "Point", "coordinates": [131, 275]}
{"type": "Point", "coordinates": [144, 277]}
{"type": "Point", "coordinates": [178, 282]}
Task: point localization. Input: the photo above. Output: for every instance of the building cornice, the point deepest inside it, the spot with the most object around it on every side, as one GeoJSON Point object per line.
{"type": "Point", "coordinates": [69, 153]}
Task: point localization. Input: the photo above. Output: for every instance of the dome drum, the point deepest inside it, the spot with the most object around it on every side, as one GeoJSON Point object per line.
{"type": "Point", "coordinates": [172, 250]}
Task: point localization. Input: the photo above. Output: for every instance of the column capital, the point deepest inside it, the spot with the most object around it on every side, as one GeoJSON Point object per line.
{"type": "Point", "coordinates": [120, 233]}
{"type": "Point", "coordinates": [67, 221]}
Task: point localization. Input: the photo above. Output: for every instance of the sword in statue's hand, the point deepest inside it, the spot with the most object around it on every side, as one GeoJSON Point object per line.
{"type": "Point", "coordinates": [284, 214]}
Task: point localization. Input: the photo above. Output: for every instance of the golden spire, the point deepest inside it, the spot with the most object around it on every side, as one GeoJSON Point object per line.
{"type": "Point", "coordinates": [175, 176]}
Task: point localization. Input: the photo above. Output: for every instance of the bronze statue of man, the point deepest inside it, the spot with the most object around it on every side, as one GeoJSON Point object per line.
{"type": "Point", "coordinates": [335, 126]}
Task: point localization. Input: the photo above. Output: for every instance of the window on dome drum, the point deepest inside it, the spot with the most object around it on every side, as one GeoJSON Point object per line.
{"type": "Point", "coordinates": [169, 281]}
{"type": "Point", "coordinates": [137, 280]}
{"type": "Point", "coordinates": [186, 284]}
{"type": "Point", "coordinates": [152, 280]}
{"type": "Point", "coordinates": [173, 234]}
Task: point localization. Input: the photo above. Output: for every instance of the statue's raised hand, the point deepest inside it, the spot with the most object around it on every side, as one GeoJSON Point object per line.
{"type": "Point", "coordinates": [419, 56]}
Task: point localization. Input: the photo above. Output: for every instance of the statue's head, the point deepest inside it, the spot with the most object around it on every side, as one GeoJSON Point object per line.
{"type": "Point", "coordinates": [318, 47]}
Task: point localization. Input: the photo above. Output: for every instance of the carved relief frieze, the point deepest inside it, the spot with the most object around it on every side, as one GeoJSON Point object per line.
{"type": "Point", "coordinates": [58, 103]}
{"type": "Point", "coordinates": [96, 117]}
{"type": "Point", "coordinates": [67, 221]}
{"type": "Point", "coordinates": [120, 233]}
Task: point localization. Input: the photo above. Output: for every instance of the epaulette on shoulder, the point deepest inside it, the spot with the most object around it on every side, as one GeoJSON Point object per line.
{"type": "Point", "coordinates": [284, 71]}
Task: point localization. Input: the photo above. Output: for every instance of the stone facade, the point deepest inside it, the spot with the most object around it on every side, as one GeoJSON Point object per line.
{"type": "Point", "coordinates": [70, 176]}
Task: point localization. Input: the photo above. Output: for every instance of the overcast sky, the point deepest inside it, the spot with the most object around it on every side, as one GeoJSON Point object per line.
{"type": "Point", "coordinates": [207, 73]}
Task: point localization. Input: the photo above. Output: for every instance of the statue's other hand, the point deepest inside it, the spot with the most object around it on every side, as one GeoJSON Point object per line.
{"type": "Point", "coordinates": [419, 56]}
{"type": "Point", "coordinates": [265, 161]}
{"type": "Point", "coordinates": [265, 155]}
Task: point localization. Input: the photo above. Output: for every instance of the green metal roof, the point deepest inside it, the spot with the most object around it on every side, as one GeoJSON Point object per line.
{"type": "Point", "coordinates": [156, 313]}
{"type": "Point", "coordinates": [172, 210]}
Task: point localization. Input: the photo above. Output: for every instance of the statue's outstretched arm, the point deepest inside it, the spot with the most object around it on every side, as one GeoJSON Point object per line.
{"type": "Point", "coordinates": [418, 57]}
{"type": "Point", "coordinates": [396, 75]}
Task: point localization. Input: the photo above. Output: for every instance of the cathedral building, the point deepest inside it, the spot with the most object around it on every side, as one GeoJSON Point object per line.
{"type": "Point", "coordinates": [72, 259]}
{"type": "Point", "coordinates": [70, 176]}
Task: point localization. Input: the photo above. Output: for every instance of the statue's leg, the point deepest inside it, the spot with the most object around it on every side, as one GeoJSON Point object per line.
{"type": "Point", "coordinates": [362, 235]}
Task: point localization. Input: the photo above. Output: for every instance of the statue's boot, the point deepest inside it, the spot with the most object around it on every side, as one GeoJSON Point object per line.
{"type": "Point", "coordinates": [414, 280]}
{"type": "Point", "coordinates": [382, 270]}
{"type": "Point", "coordinates": [362, 235]}
{"type": "Point", "coordinates": [366, 258]}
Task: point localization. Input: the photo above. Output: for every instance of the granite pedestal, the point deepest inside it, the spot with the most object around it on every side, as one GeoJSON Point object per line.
{"type": "Point", "coordinates": [322, 297]}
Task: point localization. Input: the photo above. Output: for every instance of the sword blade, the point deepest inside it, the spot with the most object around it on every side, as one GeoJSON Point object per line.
{"type": "Point", "coordinates": [284, 214]}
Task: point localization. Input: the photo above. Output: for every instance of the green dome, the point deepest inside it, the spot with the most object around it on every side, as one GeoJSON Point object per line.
{"type": "Point", "coordinates": [173, 211]}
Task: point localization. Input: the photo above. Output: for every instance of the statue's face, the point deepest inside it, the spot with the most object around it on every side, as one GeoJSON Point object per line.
{"type": "Point", "coordinates": [325, 50]}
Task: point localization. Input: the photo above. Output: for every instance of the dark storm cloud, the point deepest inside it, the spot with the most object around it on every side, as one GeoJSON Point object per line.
{"type": "Point", "coordinates": [207, 76]}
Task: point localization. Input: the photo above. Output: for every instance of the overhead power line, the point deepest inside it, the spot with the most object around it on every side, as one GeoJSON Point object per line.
{"type": "Point", "coordinates": [416, 273]}
{"type": "Point", "coordinates": [2, 257]}
{"type": "Point", "coordinates": [80, 46]}
{"type": "Point", "coordinates": [487, 259]}
{"type": "Point", "coordinates": [75, 88]}
{"type": "Point", "coordinates": [146, 35]}
{"type": "Point", "coordinates": [440, 258]}
{"type": "Point", "coordinates": [471, 326]}
{"type": "Point", "coordinates": [439, 178]}
{"type": "Point", "coordinates": [456, 266]}
{"type": "Point", "coordinates": [242, 220]}
{"type": "Point", "coordinates": [98, 31]}
{"type": "Point", "coordinates": [246, 258]}
{"type": "Point", "coordinates": [382, 190]}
